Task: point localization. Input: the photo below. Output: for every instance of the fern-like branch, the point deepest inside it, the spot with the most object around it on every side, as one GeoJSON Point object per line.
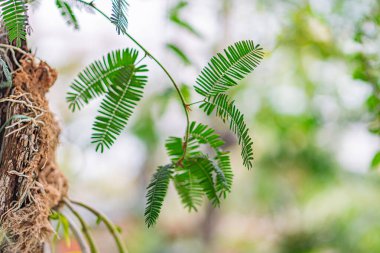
{"type": "Point", "coordinates": [119, 15]}
{"type": "Point", "coordinates": [224, 175]}
{"type": "Point", "coordinates": [14, 15]}
{"type": "Point", "coordinates": [96, 79]}
{"type": "Point", "coordinates": [157, 190]}
{"type": "Point", "coordinates": [202, 169]}
{"type": "Point", "coordinates": [227, 111]}
{"type": "Point", "coordinates": [224, 71]}
{"type": "Point", "coordinates": [188, 187]}
{"type": "Point", "coordinates": [118, 105]}
{"type": "Point", "coordinates": [205, 135]}
{"type": "Point", "coordinates": [67, 13]}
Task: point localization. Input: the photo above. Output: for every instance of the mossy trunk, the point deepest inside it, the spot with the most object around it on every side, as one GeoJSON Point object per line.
{"type": "Point", "coordinates": [30, 183]}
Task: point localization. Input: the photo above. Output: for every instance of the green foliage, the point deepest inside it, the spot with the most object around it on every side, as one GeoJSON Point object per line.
{"type": "Point", "coordinates": [188, 187]}
{"type": "Point", "coordinates": [202, 169]}
{"type": "Point", "coordinates": [62, 223]}
{"type": "Point", "coordinates": [95, 79]}
{"type": "Point", "coordinates": [120, 78]}
{"type": "Point", "coordinates": [7, 75]}
{"type": "Point", "coordinates": [174, 147]}
{"type": "Point", "coordinates": [15, 19]}
{"type": "Point", "coordinates": [119, 15]}
{"type": "Point", "coordinates": [224, 173]}
{"type": "Point", "coordinates": [366, 68]}
{"type": "Point", "coordinates": [175, 17]}
{"type": "Point", "coordinates": [196, 175]}
{"type": "Point", "coordinates": [205, 135]}
{"type": "Point", "coordinates": [375, 161]}
{"type": "Point", "coordinates": [67, 13]}
{"type": "Point", "coordinates": [179, 53]}
{"type": "Point", "coordinates": [157, 190]}
{"type": "Point", "coordinates": [224, 71]}
{"type": "Point", "coordinates": [225, 108]}
{"type": "Point", "coordinates": [118, 106]}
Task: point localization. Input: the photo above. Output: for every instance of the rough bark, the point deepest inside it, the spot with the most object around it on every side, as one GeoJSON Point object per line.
{"type": "Point", "coordinates": [30, 182]}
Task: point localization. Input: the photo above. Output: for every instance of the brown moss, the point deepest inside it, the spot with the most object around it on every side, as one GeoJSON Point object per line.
{"type": "Point", "coordinates": [28, 165]}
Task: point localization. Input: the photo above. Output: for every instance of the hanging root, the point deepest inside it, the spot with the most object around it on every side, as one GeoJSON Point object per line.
{"type": "Point", "coordinates": [30, 183]}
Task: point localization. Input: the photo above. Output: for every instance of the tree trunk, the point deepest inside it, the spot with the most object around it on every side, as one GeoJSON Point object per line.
{"type": "Point", "coordinates": [30, 182]}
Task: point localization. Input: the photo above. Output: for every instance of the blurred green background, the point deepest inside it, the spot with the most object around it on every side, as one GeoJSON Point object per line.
{"type": "Point", "coordinates": [312, 106]}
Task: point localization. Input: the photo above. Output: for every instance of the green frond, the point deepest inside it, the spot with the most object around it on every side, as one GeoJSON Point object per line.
{"type": "Point", "coordinates": [188, 187]}
{"type": "Point", "coordinates": [227, 111]}
{"type": "Point", "coordinates": [118, 105]}
{"type": "Point", "coordinates": [13, 13]}
{"type": "Point", "coordinates": [96, 79]}
{"type": "Point", "coordinates": [189, 182]}
{"type": "Point", "coordinates": [67, 13]}
{"type": "Point", "coordinates": [205, 135]}
{"type": "Point", "coordinates": [224, 175]}
{"type": "Point", "coordinates": [223, 71]}
{"type": "Point", "coordinates": [174, 148]}
{"type": "Point", "coordinates": [119, 15]}
{"type": "Point", "coordinates": [175, 17]}
{"type": "Point", "coordinates": [222, 165]}
{"type": "Point", "coordinates": [157, 190]}
{"type": "Point", "coordinates": [179, 53]}
{"type": "Point", "coordinates": [202, 169]}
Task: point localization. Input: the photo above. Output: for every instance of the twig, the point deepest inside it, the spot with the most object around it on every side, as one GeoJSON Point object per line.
{"type": "Point", "coordinates": [85, 228]}
{"type": "Point", "coordinates": [110, 226]}
{"type": "Point", "coordinates": [78, 235]}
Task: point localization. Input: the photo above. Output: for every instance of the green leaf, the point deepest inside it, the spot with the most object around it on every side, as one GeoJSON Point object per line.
{"type": "Point", "coordinates": [224, 175]}
{"type": "Point", "coordinates": [66, 228]}
{"type": "Point", "coordinates": [186, 92]}
{"type": "Point", "coordinates": [375, 161]}
{"type": "Point", "coordinates": [186, 180]}
{"type": "Point", "coordinates": [67, 13]}
{"type": "Point", "coordinates": [15, 19]}
{"type": "Point", "coordinates": [119, 15]}
{"type": "Point", "coordinates": [179, 53]}
{"type": "Point", "coordinates": [222, 165]}
{"type": "Point", "coordinates": [146, 130]}
{"type": "Point", "coordinates": [174, 147]}
{"type": "Point", "coordinates": [7, 75]}
{"type": "Point", "coordinates": [227, 111]}
{"type": "Point", "coordinates": [118, 106]}
{"type": "Point", "coordinates": [205, 135]}
{"type": "Point", "coordinates": [96, 79]}
{"type": "Point", "coordinates": [61, 222]}
{"type": "Point", "coordinates": [157, 190]}
{"type": "Point", "coordinates": [175, 17]}
{"type": "Point", "coordinates": [188, 187]}
{"type": "Point", "coordinates": [201, 168]}
{"type": "Point", "coordinates": [223, 71]}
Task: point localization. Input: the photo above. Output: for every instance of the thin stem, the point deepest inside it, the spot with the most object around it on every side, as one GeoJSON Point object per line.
{"type": "Point", "coordinates": [110, 226]}
{"type": "Point", "coordinates": [77, 234]}
{"type": "Point", "coordinates": [200, 101]}
{"type": "Point", "coordinates": [84, 226]}
{"type": "Point", "coordinates": [184, 105]}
